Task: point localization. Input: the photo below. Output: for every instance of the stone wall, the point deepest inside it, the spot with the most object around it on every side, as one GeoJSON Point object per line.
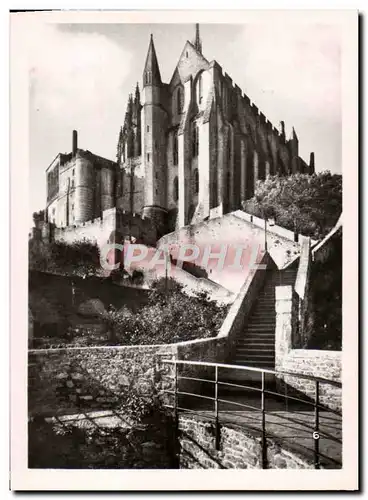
{"type": "Point", "coordinates": [100, 231]}
{"type": "Point", "coordinates": [314, 363]}
{"type": "Point", "coordinates": [326, 365]}
{"type": "Point", "coordinates": [75, 378]}
{"type": "Point", "coordinates": [94, 377]}
{"type": "Point", "coordinates": [239, 449]}
{"type": "Point", "coordinates": [113, 227]}
{"type": "Point", "coordinates": [232, 233]}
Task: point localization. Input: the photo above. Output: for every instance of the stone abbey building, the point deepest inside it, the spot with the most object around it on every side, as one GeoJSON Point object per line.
{"type": "Point", "coordinates": [189, 150]}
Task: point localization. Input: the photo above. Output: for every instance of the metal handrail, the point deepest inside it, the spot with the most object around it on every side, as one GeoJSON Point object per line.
{"type": "Point", "coordinates": [315, 402]}
{"type": "Point", "coordinates": [253, 369]}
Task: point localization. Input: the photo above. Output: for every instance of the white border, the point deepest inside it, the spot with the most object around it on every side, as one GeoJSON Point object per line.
{"type": "Point", "coordinates": [24, 479]}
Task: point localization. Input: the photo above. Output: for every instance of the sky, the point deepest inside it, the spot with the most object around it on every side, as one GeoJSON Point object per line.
{"type": "Point", "coordinates": [80, 76]}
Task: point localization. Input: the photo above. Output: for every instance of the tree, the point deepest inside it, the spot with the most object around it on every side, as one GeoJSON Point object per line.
{"type": "Point", "coordinates": [307, 204]}
{"type": "Point", "coordinates": [38, 217]}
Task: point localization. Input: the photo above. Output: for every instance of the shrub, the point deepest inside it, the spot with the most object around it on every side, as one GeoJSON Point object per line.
{"type": "Point", "coordinates": [81, 257]}
{"type": "Point", "coordinates": [170, 316]}
{"type": "Point", "coordinates": [308, 204]}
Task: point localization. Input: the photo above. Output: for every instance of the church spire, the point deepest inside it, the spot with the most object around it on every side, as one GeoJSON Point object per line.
{"type": "Point", "coordinates": [151, 73]}
{"type": "Point", "coordinates": [137, 94]}
{"type": "Point", "coordinates": [197, 40]}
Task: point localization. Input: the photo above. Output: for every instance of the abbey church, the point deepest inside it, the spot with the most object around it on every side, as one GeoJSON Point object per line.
{"type": "Point", "coordinates": [189, 150]}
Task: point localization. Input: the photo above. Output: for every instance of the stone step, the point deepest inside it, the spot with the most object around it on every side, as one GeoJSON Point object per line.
{"type": "Point", "coordinates": [262, 315]}
{"type": "Point", "coordinates": [256, 344]}
{"type": "Point", "coordinates": [255, 355]}
{"type": "Point", "coordinates": [254, 337]}
{"type": "Point", "coordinates": [255, 332]}
{"type": "Point", "coordinates": [261, 321]}
{"type": "Point", "coordinates": [264, 318]}
{"type": "Point", "coordinates": [257, 341]}
{"type": "Point", "coordinates": [261, 325]}
{"type": "Point", "coordinates": [255, 350]}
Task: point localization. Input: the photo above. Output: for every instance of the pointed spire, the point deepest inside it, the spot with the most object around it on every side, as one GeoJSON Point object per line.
{"type": "Point", "coordinates": [129, 111]}
{"type": "Point", "coordinates": [151, 73]}
{"type": "Point", "coordinates": [293, 135]}
{"type": "Point", "coordinates": [197, 40]}
{"type": "Point", "coordinates": [137, 97]}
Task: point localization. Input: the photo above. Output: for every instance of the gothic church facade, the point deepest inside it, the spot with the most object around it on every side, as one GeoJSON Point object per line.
{"type": "Point", "coordinates": [189, 150]}
{"type": "Point", "coordinates": [194, 148]}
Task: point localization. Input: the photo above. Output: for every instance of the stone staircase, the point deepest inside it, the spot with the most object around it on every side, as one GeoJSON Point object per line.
{"type": "Point", "coordinates": [255, 345]}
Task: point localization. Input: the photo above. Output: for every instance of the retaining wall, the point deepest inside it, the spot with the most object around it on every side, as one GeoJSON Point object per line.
{"type": "Point", "coordinates": [310, 362]}
{"type": "Point", "coordinates": [66, 380]}
{"type": "Point", "coordinates": [239, 449]}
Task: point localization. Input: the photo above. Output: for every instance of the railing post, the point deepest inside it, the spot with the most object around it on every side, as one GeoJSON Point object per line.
{"type": "Point", "coordinates": [263, 410]}
{"type": "Point", "coordinates": [316, 435]}
{"type": "Point", "coordinates": [217, 429]}
{"type": "Point", "coordinates": [176, 392]}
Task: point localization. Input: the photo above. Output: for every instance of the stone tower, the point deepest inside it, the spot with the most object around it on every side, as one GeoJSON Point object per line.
{"type": "Point", "coordinates": [154, 125]}
{"type": "Point", "coordinates": [136, 122]}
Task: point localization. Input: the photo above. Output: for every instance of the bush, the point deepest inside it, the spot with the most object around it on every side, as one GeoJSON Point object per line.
{"type": "Point", "coordinates": [308, 204]}
{"type": "Point", "coordinates": [170, 316]}
{"type": "Point", "coordinates": [81, 257]}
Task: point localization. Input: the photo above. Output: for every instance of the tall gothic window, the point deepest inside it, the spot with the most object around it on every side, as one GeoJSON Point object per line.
{"type": "Point", "coordinates": [179, 100]}
{"type": "Point", "coordinates": [148, 77]}
{"type": "Point", "coordinates": [196, 181]}
{"type": "Point", "coordinates": [224, 98]}
{"type": "Point", "coordinates": [195, 140]}
{"type": "Point", "coordinates": [199, 90]}
{"type": "Point", "coordinates": [176, 189]}
{"type": "Point", "coordinates": [175, 149]}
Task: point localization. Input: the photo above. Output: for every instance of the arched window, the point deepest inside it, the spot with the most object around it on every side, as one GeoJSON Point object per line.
{"type": "Point", "coordinates": [228, 186]}
{"type": "Point", "coordinates": [199, 90]}
{"type": "Point", "coordinates": [179, 100]}
{"type": "Point", "coordinates": [195, 140]}
{"type": "Point", "coordinates": [176, 189]}
{"type": "Point", "coordinates": [175, 149]}
{"type": "Point", "coordinates": [196, 181]}
{"type": "Point", "coordinates": [229, 148]}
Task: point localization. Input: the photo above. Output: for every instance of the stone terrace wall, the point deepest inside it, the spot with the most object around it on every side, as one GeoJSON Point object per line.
{"type": "Point", "coordinates": [309, 362]}
{"type": "Point", "coordinates": [233, 231]}
{"type": "Point", "coordinates": [74, 378]}
{"type": "Point", "coordinates": [66, 380]}
{"type": "Point", "coordinates": [323, 364]}
{"type": "Point", "coordinates": [239, 449]}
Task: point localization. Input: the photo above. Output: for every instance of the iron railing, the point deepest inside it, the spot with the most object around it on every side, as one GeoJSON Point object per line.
{"type": "Point", "coordinates": [313, 400]}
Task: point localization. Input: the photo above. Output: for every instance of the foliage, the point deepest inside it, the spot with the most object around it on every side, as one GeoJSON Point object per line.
{"type": "Point", "coordinates": [170, 316]}
{"type": "Point", "coordinates": [38, 217]}
{"type": "Point", "coordinates": [39, 256]}
{"type": "Point", "coordinates": [81, 257]}
{"type": "Point", "coordinates": [139, 408]}
{"type": "Point", "coordinates": [147, 442]}
{"type": "Point", "coordinates": [308, 204]}
{"type": "Point", "coordinates": [326, 289]}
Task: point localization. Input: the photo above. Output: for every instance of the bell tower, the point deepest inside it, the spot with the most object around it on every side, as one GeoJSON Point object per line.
{"type": "Point", "coordinates": [154, 125]}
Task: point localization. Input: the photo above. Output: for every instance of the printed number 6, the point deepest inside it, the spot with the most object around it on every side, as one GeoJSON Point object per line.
{"type": "Point", "coordinates": [315, 435]}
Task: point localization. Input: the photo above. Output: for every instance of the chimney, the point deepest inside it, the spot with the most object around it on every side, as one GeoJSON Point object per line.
{"type": "Point", "coordinates": [75, 142]}
{"type": "Point", "coordinates": [311, 164]}
{"type": "Point", "coordinates": [282, 128]}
